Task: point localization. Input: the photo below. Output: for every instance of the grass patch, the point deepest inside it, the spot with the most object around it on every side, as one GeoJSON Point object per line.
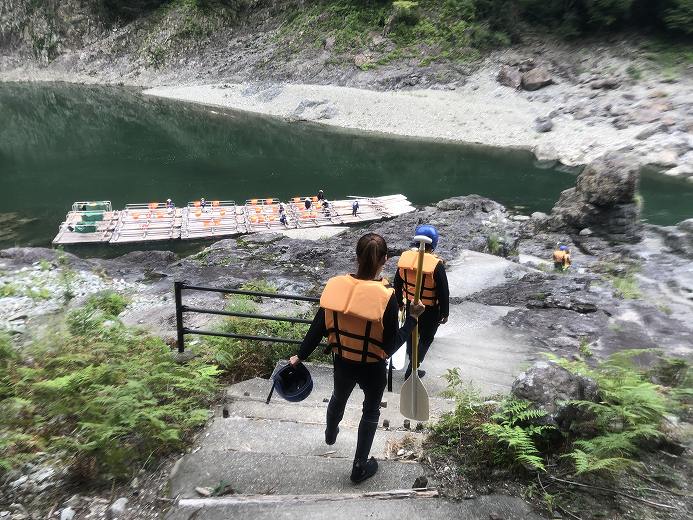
{"type": "Point", "coordinates": [668, 55]}
{"type": "Point", "coordinates": [494, 244]}
{"type": "Point", "coordinates": [585, 348]}
{"type": "Point", "coordinates": [627, 286]}
{"type": "Point", "coordinates": [9, 289]}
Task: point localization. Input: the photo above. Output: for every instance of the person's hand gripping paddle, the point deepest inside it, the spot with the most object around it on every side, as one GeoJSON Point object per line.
{"type": "Point", "coordinates": [413, 403]}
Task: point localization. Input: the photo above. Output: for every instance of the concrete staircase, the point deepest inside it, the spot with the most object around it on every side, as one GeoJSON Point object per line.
{"type": "Point", "coordinates": [275, 460]}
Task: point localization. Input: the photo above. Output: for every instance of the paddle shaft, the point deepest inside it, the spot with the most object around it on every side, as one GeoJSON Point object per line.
{"type": "Point", "coordinates": [415, 332]}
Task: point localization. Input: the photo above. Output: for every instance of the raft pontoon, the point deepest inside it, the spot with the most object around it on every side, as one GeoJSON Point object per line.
{"type": "Point", "coordinates": [96, 222]}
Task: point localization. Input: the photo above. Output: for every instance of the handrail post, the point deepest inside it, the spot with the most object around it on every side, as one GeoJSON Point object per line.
{"type": "Point", "coordinates": [178, 289]}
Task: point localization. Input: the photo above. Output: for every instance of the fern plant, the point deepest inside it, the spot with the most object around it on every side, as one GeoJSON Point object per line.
{"type": "Point", "coordinates": [630, 411]}
{"type": "Point", "coordinates": [515, 429]}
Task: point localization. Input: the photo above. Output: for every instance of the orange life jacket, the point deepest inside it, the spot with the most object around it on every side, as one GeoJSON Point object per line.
{"type": "Point", "coordinates": [561, 257]}
{"type": "Point", "coordinates": [354, 312]}
{"type": "Point", "coordinates": [407, 265]}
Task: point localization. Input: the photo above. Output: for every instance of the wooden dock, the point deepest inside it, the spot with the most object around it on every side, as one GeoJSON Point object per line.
{"type": "Point", "coordinates": [221, 218]}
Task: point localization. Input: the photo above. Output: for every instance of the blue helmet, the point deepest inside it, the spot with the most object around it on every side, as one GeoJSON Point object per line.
{"type": "Point", "coordinates": [428, 231]}
{"type": "Point", "coordinates": [293, 383]}
{"type": "Point", "coordinates": [563, 248]}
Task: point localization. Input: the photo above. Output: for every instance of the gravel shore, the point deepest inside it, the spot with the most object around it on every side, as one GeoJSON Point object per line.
{"type": "Point", "coordinates": [479, 112]}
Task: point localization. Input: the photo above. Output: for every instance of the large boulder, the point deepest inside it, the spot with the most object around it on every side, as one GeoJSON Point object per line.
{"type": "Point", "coordinates": [613, 179]}
{"type": "Point", "coordinates": [603, 200]}
{"type": "Point", "coordinates": [550, 388]}
{"type": "Point", "coordinates": [509, 76]}
{"type": "Point", "coordinates": [536, 78]}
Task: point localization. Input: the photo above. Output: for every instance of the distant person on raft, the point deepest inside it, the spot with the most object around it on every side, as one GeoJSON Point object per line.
{"type": "Point", "coordinates": [321, 195]}
{"type": "Point", "coordinates": [354, 208]}
{"type": "Point", "coordinates": [359, 315]}
{"type": "Point", "coordinates": [308, 203]}
{"type": "Point", "coordinates": [435, 294]}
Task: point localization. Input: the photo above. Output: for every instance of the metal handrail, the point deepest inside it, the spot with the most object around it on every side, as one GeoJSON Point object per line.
{"type": "Point", "coordinates": [182, 330]}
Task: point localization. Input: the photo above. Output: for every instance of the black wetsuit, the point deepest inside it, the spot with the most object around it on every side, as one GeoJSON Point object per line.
{"type": "Point", "coordinates": [371, 377]}
{"type": "Point", "coordinates": [430, 319]}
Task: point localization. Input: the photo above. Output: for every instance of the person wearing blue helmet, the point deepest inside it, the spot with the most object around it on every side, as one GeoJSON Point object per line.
{"type": "Point", "coordinates": [561, 258]}
{"type": "Point", "coordinates": [435, 294]}
{"type": "Point", "coordinates": [359, 316]}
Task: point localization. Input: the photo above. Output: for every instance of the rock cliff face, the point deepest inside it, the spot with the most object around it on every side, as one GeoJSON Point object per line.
{"type": "Point", "coordinates": [604, 200]}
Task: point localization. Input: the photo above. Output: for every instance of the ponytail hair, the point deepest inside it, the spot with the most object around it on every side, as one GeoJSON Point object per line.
{"type": "Point", "coordinates": [371, 250]}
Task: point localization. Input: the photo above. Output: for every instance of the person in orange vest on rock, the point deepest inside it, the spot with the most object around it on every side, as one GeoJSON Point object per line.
{"type": "Point", "coordinates": [435, 294]}
{"type": "Point", "coordinates": [359, 316]}
{"type": "Point", "coordinates": [561, 258]}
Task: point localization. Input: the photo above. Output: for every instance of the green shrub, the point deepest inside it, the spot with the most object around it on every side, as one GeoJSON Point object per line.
{"type": "Point", "coordinates": [405, 12]}
{"type": "Point", "coordinates": [110, 302]}
{"type": "Point", "coordinates": [102, 399]}
{"type": "Point", "coordinates": [629, 412]}
{"type": "Point", "coordinates": [679, 16]}
{"type": "Point", "coordinates": [494, 244]}
{"type": "Point", "coordinates": [627, 286]}
{"type": "Point", "coordinates": [244, 359]}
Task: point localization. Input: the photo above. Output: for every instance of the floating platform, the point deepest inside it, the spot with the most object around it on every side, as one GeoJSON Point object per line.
{"type": "Point", "coordinates": [97, 222]}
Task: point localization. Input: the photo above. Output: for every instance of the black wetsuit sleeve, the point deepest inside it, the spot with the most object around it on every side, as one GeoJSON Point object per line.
{"type": "Point", "coordinates": [314, 336]}
{"type": "Point", "coordinates": [393, 335]}
{"type": "Point", "coordinates": [398, 284]}
{"type": "Point", "coordinates": [442, 289]}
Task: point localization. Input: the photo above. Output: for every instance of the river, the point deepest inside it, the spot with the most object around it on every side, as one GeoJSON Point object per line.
{"type": "Point", "coordinates": [60, 143]}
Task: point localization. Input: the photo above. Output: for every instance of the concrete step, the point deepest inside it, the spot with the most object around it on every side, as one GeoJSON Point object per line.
{"type": "Point", "coordinates": [258, 388]}
{"type": "Point", "coordinates": [308, 508]}
{"type": "Point", "coordinates": [291, 438]}
{"type": "Point", "coordinates": [268, 473]}
{"type": "Point", "coordinates": [313, 410]}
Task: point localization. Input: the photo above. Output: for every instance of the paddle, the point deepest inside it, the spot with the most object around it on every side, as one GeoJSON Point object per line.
{"type": "Point", "coordinates": [413, 403]}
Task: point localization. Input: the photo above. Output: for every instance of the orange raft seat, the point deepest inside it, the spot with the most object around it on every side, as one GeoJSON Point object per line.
{"type": "Point", "coordinates": [197, 204]}
{"type": "Point", "coordinates": [153, 205]}
{"type": "Point", "coordinates": [215, 203]}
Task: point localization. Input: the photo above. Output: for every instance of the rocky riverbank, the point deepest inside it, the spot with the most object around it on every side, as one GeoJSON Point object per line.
{"type": "Point", "coordinates": [564, 101]}
{"type": "Point", "coordinates": [589, 301]}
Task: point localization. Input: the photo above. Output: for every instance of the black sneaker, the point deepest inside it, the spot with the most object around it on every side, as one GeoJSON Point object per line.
{"type": "Point", "coordinates": [363, 470]}
{"type": "Point", "coordinates": [331, 436]}
{"type": "Point", "coordinates": [421, 373]}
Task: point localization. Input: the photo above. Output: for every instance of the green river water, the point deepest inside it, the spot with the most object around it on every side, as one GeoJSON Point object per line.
{"type": "Point", "coordinates": [61, 143]}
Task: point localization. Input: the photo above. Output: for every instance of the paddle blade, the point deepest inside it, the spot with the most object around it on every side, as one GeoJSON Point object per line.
{"type": "Point", "coordinates": [413, 399]}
